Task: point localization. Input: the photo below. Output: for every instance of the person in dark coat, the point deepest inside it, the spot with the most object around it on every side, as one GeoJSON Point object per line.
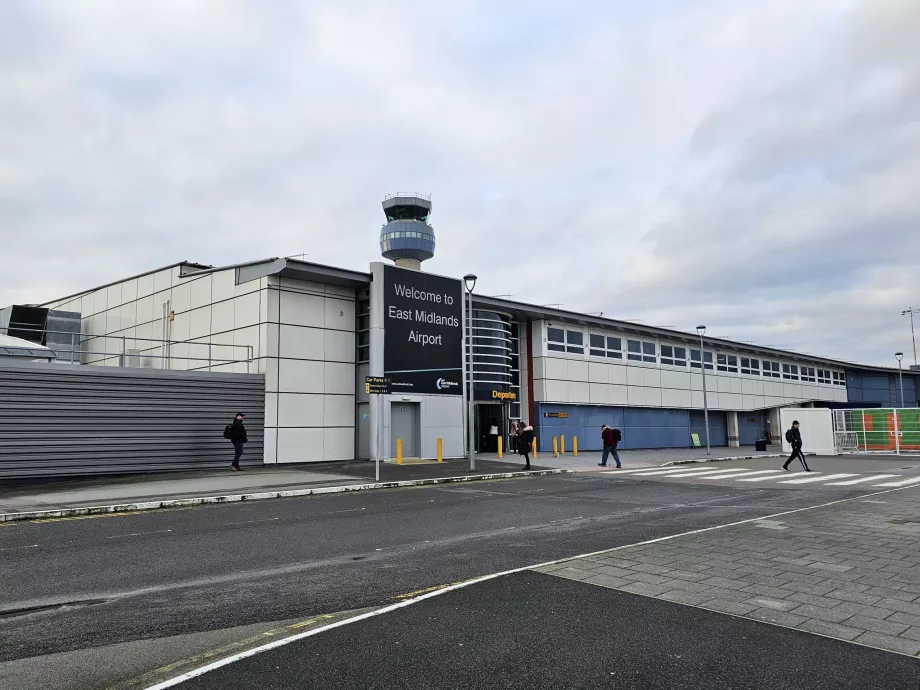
{"type": "Point", "coordinates": [609, 439]}
{"type": "Point", "coordinates": [238, 438]}
{"type": "Point", "coordinates": [794, 436]}
{"type": "Point", "coordinates": [525, 443]}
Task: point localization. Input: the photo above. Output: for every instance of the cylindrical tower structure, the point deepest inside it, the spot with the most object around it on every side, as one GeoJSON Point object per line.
{"type": "Point", "coordinates": [407, 238]}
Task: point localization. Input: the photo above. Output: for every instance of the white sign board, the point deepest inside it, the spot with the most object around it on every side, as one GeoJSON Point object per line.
{"type": "Point", "coordinates": [815, 425]}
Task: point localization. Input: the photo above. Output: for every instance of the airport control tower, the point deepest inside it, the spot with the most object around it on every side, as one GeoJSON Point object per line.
{"type": "Point", "coordinates": [407, 239]}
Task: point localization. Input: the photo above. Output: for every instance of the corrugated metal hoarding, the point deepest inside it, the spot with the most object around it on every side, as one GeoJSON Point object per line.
{"type": "Point", "coordinates": [64, 420]}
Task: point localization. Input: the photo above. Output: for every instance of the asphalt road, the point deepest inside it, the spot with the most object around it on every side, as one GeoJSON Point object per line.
{"type": "Point", "coordinates": [84, 583]}
{"type": "Point", "coordinates": [536, 631]}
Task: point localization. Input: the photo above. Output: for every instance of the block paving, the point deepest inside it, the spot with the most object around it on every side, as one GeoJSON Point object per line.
{"type": "Point", "coordinates": [849, 570]}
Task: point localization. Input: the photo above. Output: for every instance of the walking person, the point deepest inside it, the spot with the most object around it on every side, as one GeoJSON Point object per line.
{"type": "Point", "coordinates": [514, 436]}
{"type": "Point", "coordinates": [493, 436]}
{"type": "Point", "coordinates": [237, 435]}
{"type": "Point", "coordinates": [794, 436]}
{"type": "Point", "coordinates": [610, 438]}
{"type": "Point", "coordinates": [525, 443]}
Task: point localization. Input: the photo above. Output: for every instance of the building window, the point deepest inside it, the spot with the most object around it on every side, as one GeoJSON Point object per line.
{"type": "Point", "coordinates": [726, 362]}
{"type": "Point", "coordinates": [791, 372]}
{"type": "Point", "coordinates": [649, 352]}
{"type": "Point", "coordinates": [605, 346]}
{"type": "Point", "coordinates": [575, 342]}
{"type": "Point", "coordinates": [771, 369]}
{"type": "Point", "coordinates": [634, 350]}
{"type": "Point", "coordinates": [840, 379]}
{"type": "Point", "coordinates": [363, 332]}
{"type": "Point", "coordinates": [808, 374]}
{"type": "Point", "coordinates": [555, 339]}
{"type": "Point", "coordinates": [824, 376]}
{"type": "Point", "coordinates": [674, 356]}
{"type": "Point", "coordinates": [696, 359]}
{"type": "Point", "coordinates": [750, 366]}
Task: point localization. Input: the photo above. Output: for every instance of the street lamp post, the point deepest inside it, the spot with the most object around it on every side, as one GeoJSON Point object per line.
{"type": "Point", "coordinates": [469, 281]}
{"type": "Point", "coordinates": [701, 329]}
{"type": "Point", "coordinates": [899, 356]}
{"type": "Point", "coordinates": [911, 311]}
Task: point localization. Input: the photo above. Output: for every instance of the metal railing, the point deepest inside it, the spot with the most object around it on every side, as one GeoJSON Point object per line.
{"type": "Point", "coordinates": [131, 351]}
{"type": "Point", "coordinates": [877, 430]}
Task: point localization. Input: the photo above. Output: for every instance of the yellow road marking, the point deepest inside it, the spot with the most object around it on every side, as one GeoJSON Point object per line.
{"type": "Point", "coordinates": [312, 621]}
{"type": "Point", "coordinates": [196, 659]}
{"type": "Point", "coordinates": [419, 592]}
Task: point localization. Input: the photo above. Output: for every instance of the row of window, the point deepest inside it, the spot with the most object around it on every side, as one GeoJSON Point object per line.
{"type": "Point", "coordinates": [411, 235]}
{"type": "Point", "coordinates": [611, 347]}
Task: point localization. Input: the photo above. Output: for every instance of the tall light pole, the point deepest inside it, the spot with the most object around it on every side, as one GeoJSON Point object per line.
{"type": "Point", "coordinates": [469, 281]}
{"type": "Point", "coordinates": [701, 329]}
{"type": "Point", "coordinates": [911, 311]}
{"type": "Point", "coordinates": [899, 356]}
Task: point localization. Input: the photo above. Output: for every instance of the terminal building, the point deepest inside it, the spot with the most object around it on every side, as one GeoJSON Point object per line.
{"type": "Point", "coordinates": [314, 333]}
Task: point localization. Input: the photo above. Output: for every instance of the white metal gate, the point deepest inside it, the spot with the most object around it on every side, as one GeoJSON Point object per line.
{"type": "Point", "coordinates": [877, 430]}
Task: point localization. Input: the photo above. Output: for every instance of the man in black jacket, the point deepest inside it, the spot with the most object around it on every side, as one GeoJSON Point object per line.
{"type": "Point", "coordinates": [794, 437]}
{"type": "Point", "coordinates": [238, 437]}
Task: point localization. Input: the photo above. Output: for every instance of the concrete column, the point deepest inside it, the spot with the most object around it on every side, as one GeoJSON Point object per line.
{"type": "Point", "coordinates": [731, 419]}
{"type": "Point", "coordinates": [378, 404]}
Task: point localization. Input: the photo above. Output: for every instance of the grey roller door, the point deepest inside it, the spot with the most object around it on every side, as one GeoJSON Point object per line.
{"type": "Point", "coordinates": [60, 419]}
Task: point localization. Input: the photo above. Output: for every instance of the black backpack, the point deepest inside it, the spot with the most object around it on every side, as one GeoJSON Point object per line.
{"type": "Point", "coordinates": [617, 435]}
{"type": "Point", "coordinates": [789, 435]}
{"type": "Point", "coordinates": [228, 431]}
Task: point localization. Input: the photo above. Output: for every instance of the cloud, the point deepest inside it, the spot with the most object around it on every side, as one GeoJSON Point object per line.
{"type": "Point", "coordinates": [749, 165]}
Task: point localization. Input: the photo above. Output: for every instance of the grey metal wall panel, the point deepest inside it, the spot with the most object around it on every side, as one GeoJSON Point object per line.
{"type": "Point", "coordinates": [59, 420]}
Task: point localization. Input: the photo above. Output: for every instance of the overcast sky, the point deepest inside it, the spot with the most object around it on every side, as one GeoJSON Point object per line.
{"type": "Point", "coordinates": [750, 164]}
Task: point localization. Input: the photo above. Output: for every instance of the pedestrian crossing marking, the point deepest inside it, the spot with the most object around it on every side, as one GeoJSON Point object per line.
{"type": "Point", "coordinates": [903, 482]}
{"type": "Point", "coordinates": [648, 473]}
{"type": "Point", "coordinates": [809, 480]}
{"type": "Point", "coordinates": [747, 474]}
{"type": "Point", "coordinates": [871, 477]}
{"type": "Point", "coordinates": [707, 472]}
{"type": "Point", "coordinates": [766, 479]}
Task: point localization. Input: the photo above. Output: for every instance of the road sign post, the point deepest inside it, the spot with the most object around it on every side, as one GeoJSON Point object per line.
{"type": "Point", "coordinates": [377, 385]}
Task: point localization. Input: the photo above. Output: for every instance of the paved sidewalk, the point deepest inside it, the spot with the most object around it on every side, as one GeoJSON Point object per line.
{"type": "Point", "coordinates": [850, 570]}
{"type": "Point", "coordinates": [26, 497]}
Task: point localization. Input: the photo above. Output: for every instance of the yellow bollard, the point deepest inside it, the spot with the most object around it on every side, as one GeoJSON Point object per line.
{"type": "Point", "coordinates": [575, 446]}
{"type": "Point", "coordinates": [561, 445]}
{"type": "Point", "coordinates": [399, 451]}
{"type": "Point", "coordinates": [500, 447]}
{"type": "Point", "coordinates": [533, 447]}
{"type": "Point", "coordinates": [440, 450]}
{"type": "Point", "coordinates": [555, 447]}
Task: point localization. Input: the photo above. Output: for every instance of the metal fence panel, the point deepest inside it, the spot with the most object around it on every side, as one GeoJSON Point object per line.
{"type": "Point", "coordinates": [877, 430]}
{"type": "Point", "coordinates": [62, 419]}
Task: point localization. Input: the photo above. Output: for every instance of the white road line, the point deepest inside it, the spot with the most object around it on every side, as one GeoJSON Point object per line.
{"type": "Point", "coordinates": [475, 581]}
{"type": "Point", "coordinates": [138, 534]}
{"type": "Point", "coordinates": [766, 479]}
{"type": "Point", "coordinates": [903, 482]}
{"type": "Point", "coordinates": [749, 474]}
{"type": "Point", "coordinates": [706, 473]}
{"type": "Point", "coordinates": [809, 480]}
{"type": "Point", "coordinates": [13, 548]}
{"type": "Point", "coordinates": [649, 473]}
{"type": "Point", "coordinates": [851, 482]}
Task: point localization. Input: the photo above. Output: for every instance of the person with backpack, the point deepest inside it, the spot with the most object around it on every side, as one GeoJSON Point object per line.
{"type": "Point", "coordinates": [610, 438]}
{"type": "Point", "coordinates": [525, 442]}
{"type": "Point", "coordinates": [236, 433]}
{"type": "Point", "coordinates": [794, 437]}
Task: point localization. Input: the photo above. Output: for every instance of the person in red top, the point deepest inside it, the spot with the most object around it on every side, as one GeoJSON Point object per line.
{"type": "Point", "coordinates": [610, 438]}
